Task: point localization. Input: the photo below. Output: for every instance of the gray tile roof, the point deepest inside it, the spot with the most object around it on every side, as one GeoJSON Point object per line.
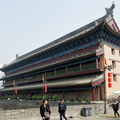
{"type": "Point", "coordinates": [63, 39]}
{"type": "Point", "coordinates": [78, 32]}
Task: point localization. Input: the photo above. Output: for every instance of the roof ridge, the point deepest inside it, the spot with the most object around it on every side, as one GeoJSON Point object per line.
{"type": "Point", "coordinates": [77, 32]}
{"type": "Point", "coordinates": [100, 20]}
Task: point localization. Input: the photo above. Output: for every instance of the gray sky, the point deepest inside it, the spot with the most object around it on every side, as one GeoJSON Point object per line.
{"type": "Point", "coordinates": [28, 24]}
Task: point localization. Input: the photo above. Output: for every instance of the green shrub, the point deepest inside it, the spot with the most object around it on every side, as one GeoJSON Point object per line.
{"type": "Point", "coordinates": [14, 97]}
{"type": "Point", "coordinates": [72, 100]}
{"type": "Point", "coordinates": [88, 100]}
{"type": "Point", "coordinates": [11, 97]}
{"type": "Point", "coordinates": [39, 97]}
{"type": "Point", "coordinates": [80, 100]}
{"type": "Point", "coordinates": [34, 97]}
{"type": "Point", "coordinates": [5, 97]}
{"type": "Point", "coordinates": [28, 98]}
{"type": "Point", "coordinates": [55, 97]}
{"type": "Point", "coordinates": [46, 97]}
{"type": "Point", "coordinates": [8, 96]}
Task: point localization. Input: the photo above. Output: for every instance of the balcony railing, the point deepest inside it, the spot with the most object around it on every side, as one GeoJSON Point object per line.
{"type": "Point", "coordinates": [74, 69]}
{"type": "Point", "coordinates": [61, 71]}
{"type": "Point", "coordinates": [57, 72]}
{"type": "Point", "coordinates": [90, 66]}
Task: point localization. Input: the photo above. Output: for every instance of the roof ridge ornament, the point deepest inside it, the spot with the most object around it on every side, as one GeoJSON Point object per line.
{"type": "Point", "coordinates": [110, 10]}
{"type": "Point", "coordinates": [17, 55]}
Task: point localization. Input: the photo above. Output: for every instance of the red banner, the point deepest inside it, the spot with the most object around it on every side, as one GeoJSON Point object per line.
{"type": "Point", "coordinates": [45, 88]}
{"type": "Point", "coordinates": [105, 62]}
{"type": "Point", "coordinates": [16, 90]}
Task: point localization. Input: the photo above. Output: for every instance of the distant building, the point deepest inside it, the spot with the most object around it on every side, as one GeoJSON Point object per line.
{"type": "Point", "coordinates": [71, 66]}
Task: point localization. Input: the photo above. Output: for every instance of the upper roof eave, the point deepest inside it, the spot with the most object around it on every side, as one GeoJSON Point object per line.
{"type": "Point", "coordinates": [107, 18]}
{"type": "Point", "coordinates": [68, 37]}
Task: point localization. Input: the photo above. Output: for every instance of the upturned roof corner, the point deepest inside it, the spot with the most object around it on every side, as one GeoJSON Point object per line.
{"type": "Point", "coordinates": [109, 11]}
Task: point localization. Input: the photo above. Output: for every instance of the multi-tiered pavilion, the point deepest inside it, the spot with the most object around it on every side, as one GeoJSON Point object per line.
{"type": "Point", "coordinates": [71, 66]}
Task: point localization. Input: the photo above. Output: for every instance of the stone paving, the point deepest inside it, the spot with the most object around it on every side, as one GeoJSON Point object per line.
{"type": "Point", "coordinates": [72, 110]}
{"type": "Point", "coordinates": [34, 115]}
{"type": "Point", "coordinates": [80, 118]}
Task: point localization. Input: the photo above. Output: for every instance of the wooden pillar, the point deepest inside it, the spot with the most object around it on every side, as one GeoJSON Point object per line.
{"type": "Point", "coordinates": [55, 72]}
{"type": "Point", "coordinates": [93, 94]}
{"type": "Point", "coordinates": [77, 92]}
{"type": "Point", "coordinates": [31, 94]}
{"type": "Point", "coordinates": [45, 74]}
{"type": "Point", "coordinates": [51, 94]}
{"type": "Point", "coordinates": [42, 93]}
{"type": "Point", "coordinates": [23, 95]}
{"type": "Point", "coordinates": [63, 94]}
{"type": "Point", "coordinates": [96, 63]}
{"type": "Point", "coordinates": [101, 62]}
{"type": "Point", "coordinates": [101, 93]}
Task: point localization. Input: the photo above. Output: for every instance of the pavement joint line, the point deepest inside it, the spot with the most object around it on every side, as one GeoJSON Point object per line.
{"type": "Point", "coordinates": [104, 115]}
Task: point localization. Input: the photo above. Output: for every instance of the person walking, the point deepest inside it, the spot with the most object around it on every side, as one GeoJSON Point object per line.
{"type": "Point", "coordinates": [115, 107]}
{"type": "Point", "coordinates": [61, 109]}
{"type": "Point", "coordinates": [45, 110]}
{"type": "Point", "coordinates": [119, 100]}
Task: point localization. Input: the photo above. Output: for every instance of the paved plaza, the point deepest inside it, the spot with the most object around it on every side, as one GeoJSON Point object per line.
{"type": "Point", "coordinates": [72, 110]}
{"type": "Point", "coordinates": [80, 118]}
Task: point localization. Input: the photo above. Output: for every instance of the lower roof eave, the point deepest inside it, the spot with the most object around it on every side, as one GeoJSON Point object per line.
{"type": "Point", "coordinates": [53, 85]}
{"type": "Point", "coordinates": [41, 86]}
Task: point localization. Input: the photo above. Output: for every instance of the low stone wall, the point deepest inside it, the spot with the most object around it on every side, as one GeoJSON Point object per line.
{"type": "Point", "coordinates": [73, 109]}
{"type": "Point", "coordinates": [25, 104]}
{"type": "Point", "coordinates": [17, 104]}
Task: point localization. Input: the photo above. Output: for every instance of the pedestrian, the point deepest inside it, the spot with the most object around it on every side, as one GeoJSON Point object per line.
{"type": "Point", "coordinates": [62, 109]}
{"type": "Point", "coordinates": [115, 107]}
{"type": "Point", "coordinates": [119, 100]}
{"type": "Point", "coordinates": [45, 110]}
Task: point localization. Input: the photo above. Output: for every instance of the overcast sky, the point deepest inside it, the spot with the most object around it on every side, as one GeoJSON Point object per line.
{"type": "Point", "coordinates": [28, 24]}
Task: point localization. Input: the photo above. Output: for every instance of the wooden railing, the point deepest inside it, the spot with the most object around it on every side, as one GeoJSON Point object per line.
{"type": "Point", "coordinates": [66, 56]}
{"type": "Point", "coordinates": [56, 72]}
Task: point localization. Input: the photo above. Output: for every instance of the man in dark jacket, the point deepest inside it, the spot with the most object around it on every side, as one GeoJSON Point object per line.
{"type": "Point", "coordinates": [45, 110]}
{"type": "Point", "coordinates": [61, 109]}
{"type": "Point", "coordinates": [115, 107]}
